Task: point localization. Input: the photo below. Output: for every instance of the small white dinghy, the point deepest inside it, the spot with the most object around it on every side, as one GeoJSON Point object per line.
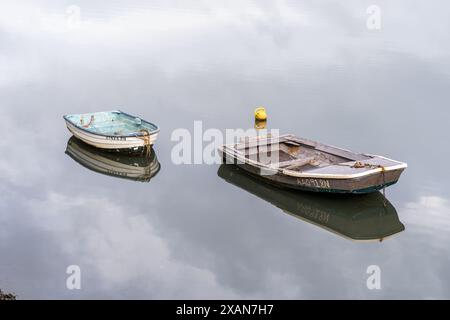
{"type": "Point", "coordinates": [113, 130]}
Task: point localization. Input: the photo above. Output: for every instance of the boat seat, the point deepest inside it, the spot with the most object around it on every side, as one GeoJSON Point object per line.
{"type": "Point", "coordinates": [291, 164]}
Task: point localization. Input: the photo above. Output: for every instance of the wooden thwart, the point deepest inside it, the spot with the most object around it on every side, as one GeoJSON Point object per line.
{"type": "Point", "coordinates": [291, 164]}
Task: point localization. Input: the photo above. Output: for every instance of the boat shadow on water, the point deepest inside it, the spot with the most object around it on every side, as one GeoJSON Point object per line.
{"type": "Point", "coordinates": [368, 217]}
{"type": "Point", "coordinates": [132, 167]}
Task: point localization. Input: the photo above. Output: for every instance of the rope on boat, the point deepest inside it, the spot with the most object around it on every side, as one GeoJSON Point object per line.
{"type": "Point", "coordinates": [383, 170]}
{"type": "Point", "coordinates": [147, 141]}
{"type": "Point", "coordinates": [359, 165]}
{"type": "Point", "coordinates": [87, 125]}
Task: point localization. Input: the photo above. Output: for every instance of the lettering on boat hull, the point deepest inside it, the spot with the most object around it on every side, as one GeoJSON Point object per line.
{"type": "Point", "coordinates": [314, 183]}
{"type": "Point", "coordinates": [115, 138]}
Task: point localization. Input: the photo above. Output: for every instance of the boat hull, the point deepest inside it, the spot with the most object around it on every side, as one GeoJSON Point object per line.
{"type": "Point", "coordinates": [112, 143]}
{"type": "Point", "coordinates": [352, 185]}
{"type": "Point", "coordinates": [363, 185]}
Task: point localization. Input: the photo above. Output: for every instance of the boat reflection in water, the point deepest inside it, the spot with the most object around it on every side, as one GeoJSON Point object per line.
{"type": "Point", "coordinates": [360, 218]}
{"type": "Point", "coordinates": [137, 168]}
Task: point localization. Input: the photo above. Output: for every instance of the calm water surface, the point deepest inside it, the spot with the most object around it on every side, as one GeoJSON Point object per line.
{"type": "Point", "coordinates": [198, 231]}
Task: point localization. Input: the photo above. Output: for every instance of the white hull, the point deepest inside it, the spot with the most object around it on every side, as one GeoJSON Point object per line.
{"type": "Point", "coordinates": [110, 142]}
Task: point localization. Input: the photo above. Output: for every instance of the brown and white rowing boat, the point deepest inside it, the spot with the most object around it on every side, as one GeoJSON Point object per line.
{"type": "Point", "coordinates": [299, 163]}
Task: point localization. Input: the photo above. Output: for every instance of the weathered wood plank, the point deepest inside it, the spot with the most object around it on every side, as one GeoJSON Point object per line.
{"type": "Point", "coordinates": [293, 163]}
{"type": "Point", "coordinates": [258, 143]}
{"type": "Point", "coordinates": [329, 149]}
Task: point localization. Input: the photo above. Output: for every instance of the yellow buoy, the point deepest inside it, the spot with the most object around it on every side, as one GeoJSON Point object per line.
{"type": "Point", "coordinates": [260, 114]}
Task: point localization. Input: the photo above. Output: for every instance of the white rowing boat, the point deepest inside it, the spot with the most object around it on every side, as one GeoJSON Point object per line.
{"type": "Point", "coordinates": [113, 130]}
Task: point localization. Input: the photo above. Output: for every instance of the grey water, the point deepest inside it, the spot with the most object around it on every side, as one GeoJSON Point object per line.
{"type": "Point", "coordinates": [189, 232]}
